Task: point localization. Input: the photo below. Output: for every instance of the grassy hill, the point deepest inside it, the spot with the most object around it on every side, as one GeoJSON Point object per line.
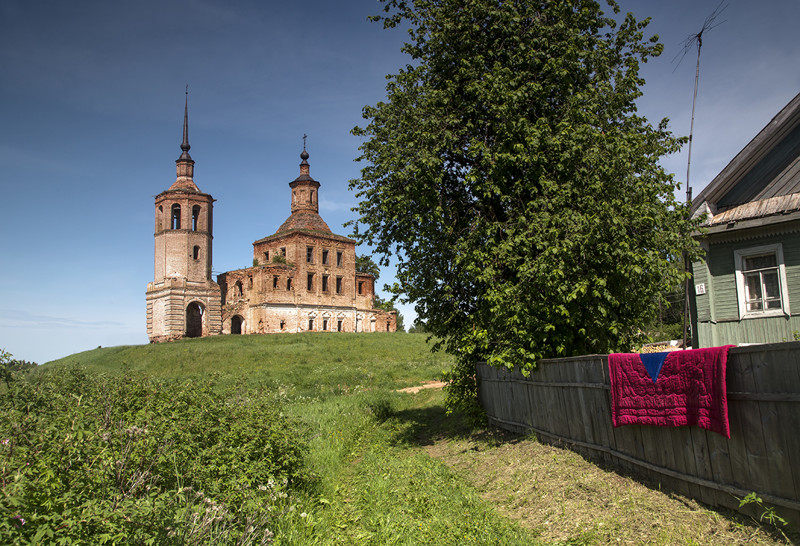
{"type": "Point", "coordinates": [334, 430]}
{"type": "Point", "coordinates": [304, 362]}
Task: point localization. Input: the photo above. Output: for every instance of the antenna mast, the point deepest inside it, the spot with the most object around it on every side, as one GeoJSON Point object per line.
{"type": "Point", "coordinates": [708, 24]}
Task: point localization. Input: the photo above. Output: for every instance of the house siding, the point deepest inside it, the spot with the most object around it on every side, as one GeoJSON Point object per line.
{"type": "Point", "coordinates": [718, 309]}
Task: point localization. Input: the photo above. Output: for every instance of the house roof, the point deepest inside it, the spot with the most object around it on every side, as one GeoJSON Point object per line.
{"type": "Point", "coordinates": [763, 179]}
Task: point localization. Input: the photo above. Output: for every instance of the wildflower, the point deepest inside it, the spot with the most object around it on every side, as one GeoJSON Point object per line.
{"type": "Point", "coordinates": [5, 442]}
{"type": "Point", "coordinates": [303, 514]}
{"type": "Point", "coordinates": [20, 520]}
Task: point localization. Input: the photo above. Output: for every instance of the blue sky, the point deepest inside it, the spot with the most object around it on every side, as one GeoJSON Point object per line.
{"type": "Point", "coordinates": [91, 106]}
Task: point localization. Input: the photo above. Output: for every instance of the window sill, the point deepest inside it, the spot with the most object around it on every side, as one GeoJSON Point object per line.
{"type": "Point", "coordinates": [765, 314]}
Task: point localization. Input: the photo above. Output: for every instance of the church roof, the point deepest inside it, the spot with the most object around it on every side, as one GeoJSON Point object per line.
{"type": "Point", "coordinates": [305, 221]}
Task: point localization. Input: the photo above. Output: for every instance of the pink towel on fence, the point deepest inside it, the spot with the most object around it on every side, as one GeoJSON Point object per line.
{"type": "Point", "coordinates": [670, 389]}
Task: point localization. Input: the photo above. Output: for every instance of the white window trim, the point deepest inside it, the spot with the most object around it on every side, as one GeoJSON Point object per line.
{"type": "Point", "coordinates": [739, 256]}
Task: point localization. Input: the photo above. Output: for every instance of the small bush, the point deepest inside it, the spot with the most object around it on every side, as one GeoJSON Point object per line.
{"type": "Point", "coordinates": [461, 392]}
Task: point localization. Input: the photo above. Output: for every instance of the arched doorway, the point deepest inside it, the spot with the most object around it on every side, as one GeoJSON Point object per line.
{"type": "Point", "coordinates": [194, 320]}
{"type": "Point", "coordinates": [236, 324]}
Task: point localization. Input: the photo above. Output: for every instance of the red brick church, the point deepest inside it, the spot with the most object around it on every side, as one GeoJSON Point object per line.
{"type": "Point", "coordinates": [303, 279]}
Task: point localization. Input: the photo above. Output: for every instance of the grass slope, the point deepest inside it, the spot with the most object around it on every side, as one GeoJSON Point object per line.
{"type": "Point", "coordinates": [307, 363]}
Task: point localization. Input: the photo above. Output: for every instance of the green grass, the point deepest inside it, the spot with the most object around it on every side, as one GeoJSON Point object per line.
{"type": "Point", "coordinates": [305, 363]}
{"type": "Point", "coordinates": [392, 468]}
{"type": "Point", "coordinates": [376, 487]}
{"type": "Point", "coordinates": [371, 484]}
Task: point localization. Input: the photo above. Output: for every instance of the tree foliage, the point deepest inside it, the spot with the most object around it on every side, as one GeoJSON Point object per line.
{"type": "Point", "coordinates": [365, 264]}
{"type": "Point", "coordinates": [509, 173]}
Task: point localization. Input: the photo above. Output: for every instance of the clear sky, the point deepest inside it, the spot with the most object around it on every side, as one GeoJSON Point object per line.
{"type": "Point", "coordinates": [91, 107]}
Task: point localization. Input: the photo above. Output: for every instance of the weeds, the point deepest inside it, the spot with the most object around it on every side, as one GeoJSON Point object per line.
{"type": "Point", "coordinates": [92, 458]}
{"type": "Point", "coordinates": [768, 513]}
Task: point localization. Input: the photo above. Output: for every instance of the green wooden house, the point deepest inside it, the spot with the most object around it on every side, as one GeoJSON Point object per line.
{"type": "Point", "coordinates": [748, 288]}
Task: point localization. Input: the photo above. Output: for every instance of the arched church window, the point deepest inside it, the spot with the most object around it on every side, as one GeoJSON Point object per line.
{"type": "Point", "coordinates": [196, 252]}
{"type": "Point", "coordinates": [176, 216]}
{"type": "Point", "coordinates": [195, 217]}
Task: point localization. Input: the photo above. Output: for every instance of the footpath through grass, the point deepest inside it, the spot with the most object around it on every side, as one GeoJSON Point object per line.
{"type": "Point", "coordinates": [384, 467]}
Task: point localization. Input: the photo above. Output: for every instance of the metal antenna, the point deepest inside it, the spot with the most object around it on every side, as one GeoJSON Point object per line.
{"type": "Point", "coordinates": [708, 24]}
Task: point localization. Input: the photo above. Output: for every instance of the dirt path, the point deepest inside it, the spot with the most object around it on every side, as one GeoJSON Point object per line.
{"type": "Point", "coordinates": [427, 385]}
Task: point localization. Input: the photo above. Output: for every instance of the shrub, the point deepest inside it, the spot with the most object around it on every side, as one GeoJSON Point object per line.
{"type": "Point", "coordinates": [91, 458]}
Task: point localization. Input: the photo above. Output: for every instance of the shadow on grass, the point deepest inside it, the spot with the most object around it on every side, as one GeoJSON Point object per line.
{"type": "Point", "coordinates": [427, 425]}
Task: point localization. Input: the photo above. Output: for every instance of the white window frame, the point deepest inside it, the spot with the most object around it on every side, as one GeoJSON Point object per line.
{"type": "Point", "coordinates": [739, 256]}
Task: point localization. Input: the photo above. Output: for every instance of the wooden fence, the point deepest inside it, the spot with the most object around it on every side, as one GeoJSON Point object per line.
{"type": "Point", "coordinates": [568, 401]}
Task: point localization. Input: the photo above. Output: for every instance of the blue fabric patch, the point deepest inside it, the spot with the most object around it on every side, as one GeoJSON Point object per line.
{"type": "Point", "coordinates": [653, 363]}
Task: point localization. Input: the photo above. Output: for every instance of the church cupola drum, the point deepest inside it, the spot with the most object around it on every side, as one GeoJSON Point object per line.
{"type": "Point", "coordinates": [183, 300]}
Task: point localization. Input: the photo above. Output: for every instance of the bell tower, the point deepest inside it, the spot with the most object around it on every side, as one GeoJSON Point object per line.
{"type": "Point", "coordinates": [183, 300]}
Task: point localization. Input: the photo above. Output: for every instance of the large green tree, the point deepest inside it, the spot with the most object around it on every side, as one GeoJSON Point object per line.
{"type": "Point", "coordinates": [509, 174]}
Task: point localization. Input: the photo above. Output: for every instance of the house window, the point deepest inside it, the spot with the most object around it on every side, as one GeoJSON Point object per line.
{"type": "Point", "coordinates": [196, 252]}
{"type": "Point", "coordinates": [310, 324]}
{"type": "Point", "coordinates": [338, 285]}
{"type": "Point", "coordinates": [283, 251]}
{"type": "Point", "coordinates": [338, 258]}
{"type": "Point", "coordinates": [325, 325]}
{"type": "Point", "coordinates": [761, 281]}
{"type": "Point", "coordinates": [310, 281]}
{"type": "Point", "coordinates": [324, 257]}
{"type": "Point", "coordinates": [325, 283]}
{"type": "Point", "coordinates": [274, 282]}
{"type": "Point", "coordinates": [266, 257]}
{"type": "Point", "coordinates": [360, 287]}
{"type": "Point", "coordinates": [310, 254]}
{"type": "Point", "coordinates": [283, 325]}
{"type": "Point", "coordinates": [237, 288]}
{"type": "Point", "coordinates": [338, 325]}
{"type": "Point", "coordinates": [289, 283]}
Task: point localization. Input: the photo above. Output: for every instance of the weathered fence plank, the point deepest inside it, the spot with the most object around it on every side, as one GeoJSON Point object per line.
{"type": "Point", "coordinates": [569, 400]}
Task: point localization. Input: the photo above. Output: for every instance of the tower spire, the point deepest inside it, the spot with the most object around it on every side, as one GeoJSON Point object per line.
{"type": "Point", "coordinates": [184, 165]}
{"type": "Point", "coordinates": [185, 144]}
